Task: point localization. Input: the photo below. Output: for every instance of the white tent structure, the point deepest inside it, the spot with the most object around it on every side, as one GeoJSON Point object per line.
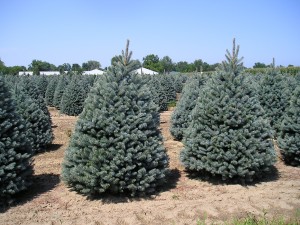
{"type": "Point", "coordinates": [143, 70]}
{"type": "Point", "coordinates": [93, 72]}
{"type": "Point", "coordinates": [48, 73]}
{"type": "Point", "coordinates": [25, 73]}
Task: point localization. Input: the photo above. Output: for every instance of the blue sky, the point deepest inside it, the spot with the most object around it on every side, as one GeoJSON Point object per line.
{"type": "Point", "coordinates": [61, 31]}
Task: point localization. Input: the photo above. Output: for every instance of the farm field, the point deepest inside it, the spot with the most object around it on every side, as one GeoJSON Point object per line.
{"type": "Point", "coordinates": [184, 200]}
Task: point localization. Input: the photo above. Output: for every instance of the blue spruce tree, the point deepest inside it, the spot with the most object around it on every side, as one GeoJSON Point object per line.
{"type": "Point", "coordinates": [274, 96]}
{"type": "Point", "coordinates": [15, 150]}
{"type": "Point", "coordinates": [117, 146]}
{"type": "Point", "coordinates": [181, 116]}
{"type": "Point", "coordinates": [49, 95]}
{"type": "Point", "coordinates": [38, 126]}
{"type": "Point", "coordinates": [73, 97]}
{"type": "Point", "coordinates": [289, 136]}
{"type": "Point", "coordinates": [59, 91]}
{"type": "Point", "coordinates": [228, 135]}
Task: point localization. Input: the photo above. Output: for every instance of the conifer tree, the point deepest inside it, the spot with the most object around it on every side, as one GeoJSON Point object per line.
{"type": "Point", "coordinates": [49, 95]}
{"type": "Point", "coordinates": [41, 82]}
{"type": "Point", "coordinates": [181, 116]}
{"type": "Point", "coordinates": [163, 90]}
{"type": "Point", "coordinates": [73, 97]}
{"type": "Point", "coordinates": [59, 91]}
{"type": "Point", "coordinates": [38, 126]}
{"type": "Point", "coordinates": [274, 97]}
{"type": "Point", "coordinates": [228, 135]}
{"type": "Point", "coordinates": [117, 146]}
{"type": "Point", "coordinates": [289, 138]}
{"type": "Point", "coordinates": [29, 86]}
{"type": "Point", "coordinates": [15, 150]}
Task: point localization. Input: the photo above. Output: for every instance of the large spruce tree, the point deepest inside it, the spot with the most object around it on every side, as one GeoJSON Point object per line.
{"type": "Point", "coordinates": [15, 150]}
{"type": "Point", "coordinates": [117, 146]}
{"type": "Point", "coordinates": [289, 136]}
{"type": "Point", "coordinates": [228, 135]}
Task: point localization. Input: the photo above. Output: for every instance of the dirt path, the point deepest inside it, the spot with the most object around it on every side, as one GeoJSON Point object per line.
{"type": "Point", "coordinates": [183, 201]}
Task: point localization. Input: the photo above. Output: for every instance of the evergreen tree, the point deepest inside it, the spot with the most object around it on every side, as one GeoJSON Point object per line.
{"type": "Point", "coordinates": [29, 86]}
{"type": "Point", "coordinates": [181, 116]}
{"type": "Point", "coordinates": [163, 90]}
{"type": "Point", "coordinates": [42, 83]}
{"type": "Point", "coordinates": [59, 91]}
{"type": "Point", "coordinates": [289, 138]}
{"type": "Point", "coordinates": [228, 135]}
{"type": "Point", "coordinates": [49, 95]}
{"type": "Point", "coordinates": [117, 146]}
{"type": "Point", "coordinates": [274, 97]}
{"type": "Point", "coordinates": [15, 150]}
{"type": "Point", "coordinates": [38, 125]}
{"type": "Point", "coordinates": [73, 97]}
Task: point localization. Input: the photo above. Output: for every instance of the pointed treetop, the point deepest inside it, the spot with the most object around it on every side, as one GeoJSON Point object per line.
{"type": "Point", "coordinates": [232, 62]}
{"type": "Point", "coordinates": [126, 56]}
{"type": "Point", "coordinates": [124, 61]}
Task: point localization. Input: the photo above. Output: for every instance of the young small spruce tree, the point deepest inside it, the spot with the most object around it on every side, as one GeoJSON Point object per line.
{"type": "Point", "coordinates": [117, 146]}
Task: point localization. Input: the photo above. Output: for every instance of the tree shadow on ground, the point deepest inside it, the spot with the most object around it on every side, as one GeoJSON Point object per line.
{"type": "Point", "coordinates": [49, 148]}
{"type": "Point", "coordinates": [172, 178]}
{"type": "Point", "coordinates": [272, 175]}
{"type": "Point", "coordinates": [40, 184]}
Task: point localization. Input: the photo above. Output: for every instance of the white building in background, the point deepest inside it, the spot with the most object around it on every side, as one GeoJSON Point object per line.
{"type": "Point", "coordinates": [143, 70]}
{"type": "Point", "coordinates": [48, 73]}
{"type": "Point", "coordinates": [93, 72]}
{"type": "Point", "coordinates": [25, 73]}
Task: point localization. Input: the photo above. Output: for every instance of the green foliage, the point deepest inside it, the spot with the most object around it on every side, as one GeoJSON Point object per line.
{"type": "Point", "coordinates": [15, 150]}
{"type": "Point", "coordinates": [73, 97]}
{"type": "Point", "coordinates": [289, 137]}
{"type": "Point", "coordinates": [172, 104]}
{"type": "Point", "coordinates": [49, 95]}
{"type": "Point", "coordinates": [259, 65]}
{"type": "Point", "coordinates": [37, 65]}
{"type": "Point", "coordinates": [181, 116]}
{"type": "Point", "coordinates": [91, 65]}
{"type": "Point", "coordinates": [38, 125]}
{"type": "Point", "coordinates": [283, 70]}
{"type": "Point", "coordinates": [151, 62]}
{"type": "Point", "coordinates": [117, 146]}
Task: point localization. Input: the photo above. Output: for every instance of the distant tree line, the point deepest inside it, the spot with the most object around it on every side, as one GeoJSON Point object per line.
{"type": "Point", "coordinates": [38, 65]}
{"type": "Point", "coordinates": [151, 61]}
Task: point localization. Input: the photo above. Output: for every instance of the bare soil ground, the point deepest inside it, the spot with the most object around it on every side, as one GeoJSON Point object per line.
{"type": "Point", "coordinates": [184, 200]}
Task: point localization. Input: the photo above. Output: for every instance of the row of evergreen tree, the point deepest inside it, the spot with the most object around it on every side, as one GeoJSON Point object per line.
{"type": "Point", "coordinates": [117, 146]}
{"type": "Point", "coordinates": [227, 121]}
{"type": "Point", "coordinates": [25, 129]}
{"type": "Point", "coordinates": [68, 93]}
